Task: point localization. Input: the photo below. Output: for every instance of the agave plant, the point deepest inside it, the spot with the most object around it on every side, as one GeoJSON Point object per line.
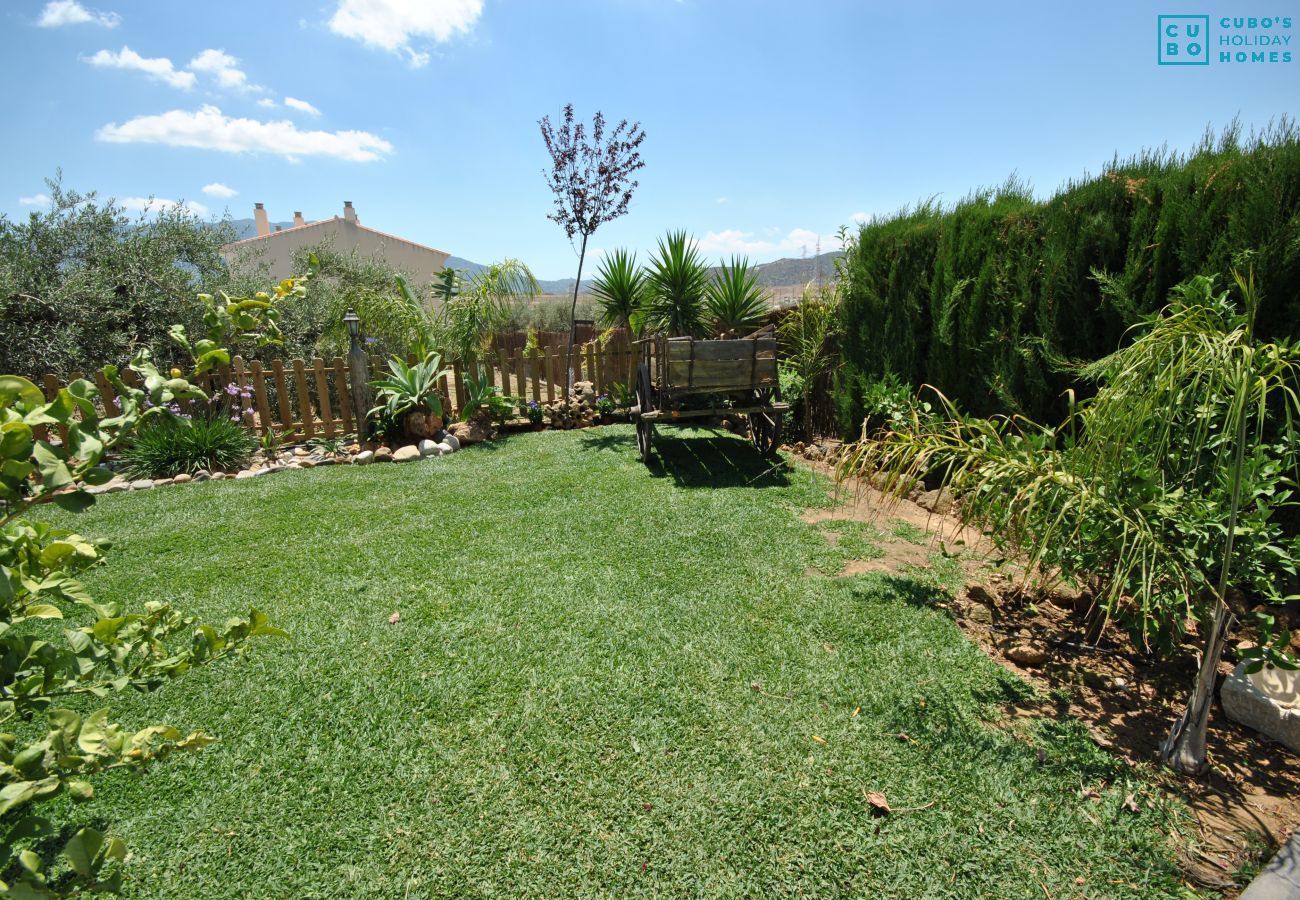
{"type": "Point", "coordinates": [676, 284]}
{"type": "Point", "coordinates": [410, 389]}
{"type": "Point", "coordinates": [735, 301]}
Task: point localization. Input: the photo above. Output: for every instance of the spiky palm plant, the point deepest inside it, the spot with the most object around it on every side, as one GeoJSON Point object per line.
{"type": "Point", "coordinates": [1158, 493]}
{"type": "Point", "coordinates": [620, 289]}
{"type": "Point", "coordinates": [735, 302]}
{"type": "Point", "coordinates": [676, 282]}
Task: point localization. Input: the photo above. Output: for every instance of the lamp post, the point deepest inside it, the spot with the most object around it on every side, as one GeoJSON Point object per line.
{"type": "Point", "coordinates": [358, 364]}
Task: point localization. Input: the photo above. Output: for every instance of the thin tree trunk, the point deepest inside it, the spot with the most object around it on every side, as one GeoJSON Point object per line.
{"type": "Point", "coordinates": [1184, 749]}
{"type": "Point", "coordinates": [573, 325]}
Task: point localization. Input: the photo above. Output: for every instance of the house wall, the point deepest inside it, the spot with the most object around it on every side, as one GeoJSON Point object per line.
{"type": "Point", "coordinates": [277, 251]}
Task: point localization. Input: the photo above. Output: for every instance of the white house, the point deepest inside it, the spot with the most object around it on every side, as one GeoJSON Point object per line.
{"type": "Point", "coordinates": [276, 248]}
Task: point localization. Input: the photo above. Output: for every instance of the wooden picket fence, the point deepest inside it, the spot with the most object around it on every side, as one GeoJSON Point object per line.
{"type": "Point", "coordinates": [309, 399]}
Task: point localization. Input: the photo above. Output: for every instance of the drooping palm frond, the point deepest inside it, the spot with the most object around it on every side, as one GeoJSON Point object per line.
{"type": "Point", "coordinates": [620, 289]}
{"type": "Point", "coordinates": [735, 301]}
{"type": "Point", "coordinates": [474, 310]}
{"type": "Point", "coordinates": [676, 282]}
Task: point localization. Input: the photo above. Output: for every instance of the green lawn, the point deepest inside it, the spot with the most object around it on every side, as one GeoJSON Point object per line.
{"type": "Point", "coordinates": [566, 706]}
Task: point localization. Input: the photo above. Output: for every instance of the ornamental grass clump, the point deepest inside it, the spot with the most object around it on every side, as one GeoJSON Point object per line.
{"type": "Point", "coordinates": [169, 448]}
{"type": "Point", "coordinates": [1159, 495]}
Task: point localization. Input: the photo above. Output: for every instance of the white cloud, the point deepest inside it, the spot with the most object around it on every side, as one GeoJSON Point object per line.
{"type": "Point", "coordinates": [267, 103]}
{"type": "Point", "coordinates": [217, 189]}
{"type": "Point", "coordinates": [35, 200]}
{"type": "Point", "coordinates": [301, 106]}
{"type": "Point", "coordinates": [210, 129]}
{"type": "Point", "coordinates": [392, 24]}
{"type": "Point", "coordinates": [723, 200]}
{"type": "Point", "coordinates": [58, 13]}
{"type": "Point", "coordinates": [159, 204]}
{"type": "Point", "coordinates": [796, 242]}
{"type": "Point", "coordinates": [859, 217]}
{"type": "Point", "coordinates": [225, 68]}
{"type": "Point", "coordinates": [160, 68]}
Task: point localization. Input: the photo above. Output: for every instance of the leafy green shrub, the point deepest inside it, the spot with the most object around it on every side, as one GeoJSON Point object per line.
{"type": "Point", "coordinates": [167, 448]}
{"type": "Point", "coordinates": [115, 649]}
{"type": "Point", "coordinates": [1159, 495]}
{"type": "Point", "coordinates": [979, 300]}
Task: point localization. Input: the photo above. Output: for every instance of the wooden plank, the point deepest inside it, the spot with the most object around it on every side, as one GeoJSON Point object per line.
{"type": "Point", "coordinates": [739, 348]}
{"type": "Point", "coordinates": [717, 371]}
{"type": "Point", "coordinates": [537, 375]}
{"type": "Point", "coordinates": [344, 394]}
{"type": "Point", "coordinates": [107, 396]}
{"type": "Point", "coordinates": [550, 375]}
{"type": "Point", "coordinates": [259, 394]}
{"type": "Point", "coordinates": [304, 399]}
{"type": "Point", "coordinates": [282, 395]}
{"type": "Point", "coordinates": [656, 415]}
{"type": "Point", "coordinates": [458, 379]}
{"type": "Point", "coordinates": [323, 396]}
{"type": "Point", "coordinates": [591, 363]}
{"type": "Point", "coordinates": [445, 391]}
{"type": "Point", "coordinates": [242, 381]}
{"type": "Point", "coordinates": [521, 375]}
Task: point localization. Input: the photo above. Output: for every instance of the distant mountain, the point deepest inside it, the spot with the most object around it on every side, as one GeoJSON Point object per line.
{"type": "Point", "coordinates": [247, 228]}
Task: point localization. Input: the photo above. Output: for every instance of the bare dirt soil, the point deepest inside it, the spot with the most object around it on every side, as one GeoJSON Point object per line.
{"type": "Point", "coordinates": [1244, 808]}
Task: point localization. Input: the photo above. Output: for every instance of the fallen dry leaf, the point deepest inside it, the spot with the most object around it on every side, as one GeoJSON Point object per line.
{"type": "Point", "coordinates": [855, 712]}
{"type": "Point", "coordinates": [1130, 803]}
{"type": "Point", "coordinates": [394, 618]}
{"type": "Point", "coordinates": [828, 648]}
{"type": "Point", "coordinates": [905, 737]}
{"type": "Point", "coordinates": [1090, 793]}
{"type": "Point", "coordinates": [819, 739]}
{"type": "Point", "coordinates": [879, 805]}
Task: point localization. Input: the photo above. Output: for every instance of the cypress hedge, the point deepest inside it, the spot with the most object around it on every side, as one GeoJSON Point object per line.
{"type": "Point", "coordinates": [987, 299]}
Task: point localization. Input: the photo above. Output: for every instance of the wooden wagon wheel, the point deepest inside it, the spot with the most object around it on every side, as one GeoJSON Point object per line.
{"type": "Point", "coordinates": [645, 429]}
{"type": "Point", "coordinates": [765, 426]}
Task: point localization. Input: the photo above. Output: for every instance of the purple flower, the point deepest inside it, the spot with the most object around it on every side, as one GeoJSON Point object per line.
{"type": "Point", "coordinates": [234, 419]}
{"type": "Point", "coordinates": [232, 389]}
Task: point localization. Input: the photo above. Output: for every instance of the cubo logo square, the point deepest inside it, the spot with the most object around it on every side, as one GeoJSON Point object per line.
{"type": "Point", "coordinates": [1184, 40]}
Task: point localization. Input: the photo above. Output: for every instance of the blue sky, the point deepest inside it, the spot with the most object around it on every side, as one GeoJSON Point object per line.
{"type": "Point", "coordinates": [768, 124]}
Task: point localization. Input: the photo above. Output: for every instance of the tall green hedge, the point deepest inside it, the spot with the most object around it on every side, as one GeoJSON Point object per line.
{"type": "Point", "coordinates": [977, 299]}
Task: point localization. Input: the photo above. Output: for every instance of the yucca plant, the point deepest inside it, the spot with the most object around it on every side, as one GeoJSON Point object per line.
{"type": "Point", "coordinates": [1159, 494]}
{"type": "Point", "coordinates": [676, 282]}
{"type": "Point", "coordinates": [620, 289]}
{"type": "Point", "coordinates": [735, 302]}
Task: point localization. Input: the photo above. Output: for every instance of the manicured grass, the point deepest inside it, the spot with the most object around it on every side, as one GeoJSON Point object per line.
{"type": "Point", "coordinates": [605, 681]}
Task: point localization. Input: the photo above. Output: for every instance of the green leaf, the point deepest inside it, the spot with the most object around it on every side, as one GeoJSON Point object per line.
{"type": "Point", "coordinates": [15, 390]}
{"type": "Point", "coordinates": [82, 850]}
{"type": "Point", "coordinates": [15, 440]}
{"type": "Point", "coordinates": [42, 611]}
{"type": "Point", "coordinates": [75, 501]}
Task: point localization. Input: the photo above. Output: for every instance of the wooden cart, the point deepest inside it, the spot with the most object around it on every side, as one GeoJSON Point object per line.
{"type": "Point", "coordinates": [733, 376]}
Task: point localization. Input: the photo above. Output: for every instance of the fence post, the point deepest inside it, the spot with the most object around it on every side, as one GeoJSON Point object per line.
{"type": "Point", "coordinates": [357, 371]}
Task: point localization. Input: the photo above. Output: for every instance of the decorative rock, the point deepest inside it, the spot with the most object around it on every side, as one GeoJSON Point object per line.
{"type": "Point", "coordinates": [219, 476]}
{"type": "Point", "coordinates": [183, 478]}
{"type": "Point", "coordinates": [1027, 654]}
{"type": "Point", "coordinates": [365, 457]}
{"type": "Point", "coordinates": [451, 441]}
{"type": "Point", "coordinates": [428, 447]}
{"type": "Point", "coordinates": [409, 453]}
{"type": "Point", "coordinates": [938, 502]}
{"type": "Point", "coordinates": [446, 447]}
{"type": "Point", "coordinates": [327, 461]}
{"type": "Point", "coordinates": [142, 484]}
{"type": "Point", "coordinates": [307, 463]}
{"type": "Point", "coordinates": [247, 473]}
{"type": "Point", "coordinates": [202, 475]}
{"type": "Point", "coordinates": [978, 613]}
{"type": "Point", "coordinates": [384, 454]}
{"type": "Point", "coordinates": [116, 487]}
{"type": "Point", "coordinates": [468, 433]}
{"type": "Point", "coordinates": [978, 593]}
{"type": "Point", "coordinates": [301, 452]}
{"type": "Point", "coordinates": [163, 482]}
{"type": "Point", "coordinates": [1267, 701]}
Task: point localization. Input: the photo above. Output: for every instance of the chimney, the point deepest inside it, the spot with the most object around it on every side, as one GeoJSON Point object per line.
{"type": "Point", "coordinates": [279, 228]}
{"type": "Point", "coordinates": [349, 214]}
{"type": "Point", "coordinates": [259, 216]}
{"type": "Point", "coordinates": [298, 219]}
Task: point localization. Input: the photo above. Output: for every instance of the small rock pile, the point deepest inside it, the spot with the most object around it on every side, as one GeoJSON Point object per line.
{"type": "Point", "coordinates": [579, 411]}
